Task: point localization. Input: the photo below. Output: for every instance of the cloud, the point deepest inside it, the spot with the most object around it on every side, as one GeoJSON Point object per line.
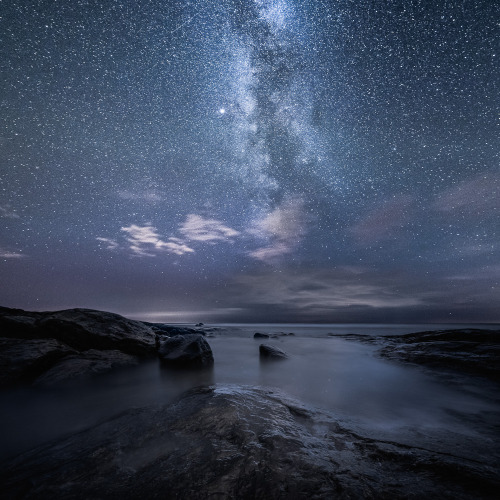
{"type": "Point", "coordinates": [197, 228]}
{"type": "Point", "coordinates": [284, 228]}
{"type": "Point", "coordinates": [5, 254]}
{"type": "Point", "coordinates": [6, 212]}
{"type": "Point", "coordinates": [144, 241]}
{"type": "Point", "coordinates": [383, 221]}
{"type": "Point", "coordinates": [473, 196]}
{"type": "Point", "coordinates": [320, 292]}
{"type": "Point", "coordinates": [109, 243]}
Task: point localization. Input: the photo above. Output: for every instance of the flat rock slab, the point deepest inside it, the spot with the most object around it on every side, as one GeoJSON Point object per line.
{"type": "Point", "coordinates": [186, 351]}
{"type": "Point", "coordinates": [270, 352]}
{"type": "Point", "coordinates": [238, 442]}
{"type": "Point", "coordinates": [471, 351]}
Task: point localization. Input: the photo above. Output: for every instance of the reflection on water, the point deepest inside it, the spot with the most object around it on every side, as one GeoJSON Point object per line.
{"type": "Point", "coordinates": [343, 377]}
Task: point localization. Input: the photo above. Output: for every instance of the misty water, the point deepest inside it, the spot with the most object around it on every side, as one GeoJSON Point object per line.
{"type": "Point", "coordinates": [347, 378]}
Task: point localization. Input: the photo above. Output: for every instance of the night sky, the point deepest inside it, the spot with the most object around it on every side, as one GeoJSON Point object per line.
{"type": "Point", "coordinates": [252, 160]}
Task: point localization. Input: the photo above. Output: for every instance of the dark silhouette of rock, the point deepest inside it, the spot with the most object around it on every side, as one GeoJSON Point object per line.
{"type": "Point", "coordinates": [85, 329]}
{"type": "Point", "coordinates": [237, 442]}
{"type": "Point", "coordinates": [186, 351]}
{"type": "Point", "coordinates": [69, 343]}
{"type": "Point", "coordinates": [271, 352]}
{"type": "Point", "coordinates": [199, 324]}
{"type": "Point", "coordinates": [258, 335]}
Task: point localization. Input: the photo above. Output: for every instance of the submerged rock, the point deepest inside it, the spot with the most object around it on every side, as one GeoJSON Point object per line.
{"type": "Point", "coordinates": [238, 442]}
{"type": "Point", "coordinates": [271, 352]}
{"type": "Point", "coordinates": [258, 335]}
{"type": "Point", "coordinates": [186, 351]}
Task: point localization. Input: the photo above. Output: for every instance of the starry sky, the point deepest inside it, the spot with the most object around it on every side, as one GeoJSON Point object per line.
{"type": "Point", "coordinates": [251, 160]}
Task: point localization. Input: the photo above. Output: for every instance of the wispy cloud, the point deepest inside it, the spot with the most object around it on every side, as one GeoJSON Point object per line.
{"type": "Point", "coordinates": [5, 254]}
{"type": "Point", "coordinates": [473, 196]}
{"type": "Point", "coordinates": [109, 243]}
{"type": "Point", "coordinates": [383, 221]}
{"type": "Point", "coordinates": [322, 292]}
{"type": "Point", "coordinates": [197, 228]}
{"type": "Point", "coordinates": [144, 241]}
{"type": "Point", "coordinates": [284, 228]}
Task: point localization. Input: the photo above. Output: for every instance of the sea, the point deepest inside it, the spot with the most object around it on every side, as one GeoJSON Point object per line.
{"type": "Point", "coordinates": [324, 371]}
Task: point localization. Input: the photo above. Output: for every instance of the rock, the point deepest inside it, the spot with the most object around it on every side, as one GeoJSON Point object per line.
{"type": "Point", "coordinates": [199, 324]}
{"type": "Point", "coordinates": [67, 344]}
{"type": "Point", "coordinates": [271, 352]}
{"type": "Point", "coordinates": [85, 329]}
{"type": "Point", "coordinates": [91, 362]}
{"type": "Point", "coordinates": [171, 331]}
{"type": "Point", "coordinates": [472, 351]}
{"type": "Point", "coordinates": [260, 335]}
{"type": "Point", "coordinates": [238, 442]}
{"type": "Point", "coordinates": [186, 351]}
{"type": "Point", "coordinates": [23, 360]}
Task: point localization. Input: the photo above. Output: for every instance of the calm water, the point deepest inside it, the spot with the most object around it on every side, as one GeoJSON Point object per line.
{"type": "Point", "coordinates": [344, 377]}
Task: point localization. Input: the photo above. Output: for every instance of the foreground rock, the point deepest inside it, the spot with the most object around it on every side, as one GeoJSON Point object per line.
{"type": "Point", "coordinates": [270, 352]}
{"type": "Point", "coordinates": [186, 351]}
{"type": "Point", "coordinates": [68, 344]}
{"type": "Point", "coordinates": [474, 352]}
{"type": "Point", "coordinates": [238, 442]}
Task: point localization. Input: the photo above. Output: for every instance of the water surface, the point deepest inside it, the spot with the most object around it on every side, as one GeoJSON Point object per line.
{"type": "Point", "coordinates": [328, 372]}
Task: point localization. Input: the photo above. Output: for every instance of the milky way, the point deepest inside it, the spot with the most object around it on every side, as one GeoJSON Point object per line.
{"type": "Point", "coordinates": [258, 160]}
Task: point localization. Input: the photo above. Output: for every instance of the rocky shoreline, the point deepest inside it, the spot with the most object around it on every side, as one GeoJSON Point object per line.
{"type": "Point", "coordinates": [457, 352]}
{"type": "Point", "coordinates": [229, 441]}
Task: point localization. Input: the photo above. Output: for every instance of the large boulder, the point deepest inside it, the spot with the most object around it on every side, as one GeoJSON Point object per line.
{"type": "Point", "coordinates": [240, 442]}
{"type": "Point", "coordinates": [186, 351]}
{"type": "Point", "coordinates": [49, 347]}
{"type": "Point", "coordinates": [270, 352]}
{"type": "Point", "coordinates": [89, 329]}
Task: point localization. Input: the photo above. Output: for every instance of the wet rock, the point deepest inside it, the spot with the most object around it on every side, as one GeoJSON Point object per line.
{"type": "Point", "coordinates": [186, 351]}
{"type": "Point", "coordinates": [258, 335]}
{"type": "Point", "coordinates": [471, 351]}
{"type": "Point", "coordinates": [238, 442]}
{"type": "Point", "coordinates": [199, 324]}
{"type": "Point", "coordinates": [271, 352]}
